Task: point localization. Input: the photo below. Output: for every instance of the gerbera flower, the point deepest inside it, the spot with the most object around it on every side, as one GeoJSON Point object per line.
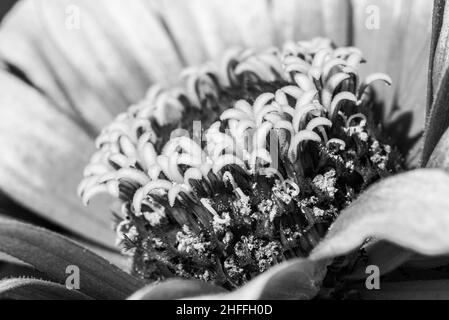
{"type": "Point", "coordinates": [239, 175]}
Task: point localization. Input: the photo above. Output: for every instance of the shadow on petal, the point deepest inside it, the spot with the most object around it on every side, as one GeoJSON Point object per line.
{"type": "Point", "coordinates": [425, 262]}
{"type": "Point", "coordinates": [387, 256]}
{"type": "Point", "coordinates": [409, 290]}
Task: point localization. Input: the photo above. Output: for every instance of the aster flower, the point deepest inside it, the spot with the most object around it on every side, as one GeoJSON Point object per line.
{"type": "Point", "coordinates": [280, 169]}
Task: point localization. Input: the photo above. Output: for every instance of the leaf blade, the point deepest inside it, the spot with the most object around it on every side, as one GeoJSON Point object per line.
{"type": "Point", "coordinates": [51, 254]}
{"type": "Point", "coordinates": [35, 289]}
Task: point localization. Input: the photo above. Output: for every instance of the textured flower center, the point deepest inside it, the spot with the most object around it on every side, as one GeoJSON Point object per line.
{"type": "Point", "coordinates": [244, 165]}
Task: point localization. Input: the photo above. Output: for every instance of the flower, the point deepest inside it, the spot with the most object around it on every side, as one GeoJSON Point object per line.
{"type": "Point", "coordinates": [71, 103]}
{"type": "Point", "coordinates": [289, 141]}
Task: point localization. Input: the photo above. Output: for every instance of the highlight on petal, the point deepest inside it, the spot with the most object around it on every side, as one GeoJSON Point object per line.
{"type": "Point", "coordinates": [51, 254]}
{"type": "Point", "coordinates": [409, 210]}
{"type": "Point", "coordinates": [35, 289]}
{"type": "Point", "coordinates": [176, 289]}
{"type": "Point", "coordinates": [43, 155]}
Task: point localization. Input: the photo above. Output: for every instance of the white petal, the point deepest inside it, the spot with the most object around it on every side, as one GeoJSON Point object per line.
{"type": "Point", "coordinates": [43, 154]}
{"type": "Point", "coordinates": [97, 69]}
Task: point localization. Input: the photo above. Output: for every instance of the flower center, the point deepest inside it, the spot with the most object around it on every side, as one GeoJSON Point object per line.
{"type": "Point", "coordinates": [242, 166]}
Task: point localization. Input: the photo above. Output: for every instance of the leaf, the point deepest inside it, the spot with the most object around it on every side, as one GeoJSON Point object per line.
{"type": "Point", "coordinates": [51, 254]}
{"type": "Point", "coordinates": [438, 90]}
{"type": "Point", "coordinates": [34, 289]}
{"type": "Point", "coordinates": [409, 210]}
{"type": "Point", "coordinates": [176, 289]}
{"type": "Point", "coordinates": [298, 279]}
{"type": "Point", "coordinates": [440, 155]}
{"type": "Point", "coordinates": [437, 23]}
{"type": "Point", "coordinates": [43, 156]}
{"type": "Point", "coordinates": [438, 120]}
{"type": "Point", "coordinates": [409, 290]}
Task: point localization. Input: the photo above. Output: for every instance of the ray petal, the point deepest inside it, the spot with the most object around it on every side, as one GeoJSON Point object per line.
{"type": "Point", "coordinates": [395, 39]}
{"type": "Point", "coordinates": [43, 155]}
{"type": "Point", "coordinates": [224, 24]}
{"type": "Point", "coordinates": [303, 20]}
{"type": "Point", "coordinates": [92, 58]}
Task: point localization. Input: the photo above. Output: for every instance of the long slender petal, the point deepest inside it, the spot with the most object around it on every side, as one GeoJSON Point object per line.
{"type": "Point", "coordinates": [408, 209]}
{"type": "Point", "coordinates": [43, 154]}
{"type": "Point", "coordinates": [303, 20]}
{"type": "Point", "coordinates": [224, 24]}
{"type": "Point", "coordinates": [51, 254]}
{"type": "Point", "coordinates": [35, 289]}
{"type": "Point", "coordinates": [395, 38]}
{"type": "Point", "coordinates": [93, 58]}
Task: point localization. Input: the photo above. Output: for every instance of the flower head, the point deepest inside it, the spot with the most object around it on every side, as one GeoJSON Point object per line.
{"type": "Point", "coordinates": [264, 156]}
{"type": "Point", "coordinates": [289, 140]}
